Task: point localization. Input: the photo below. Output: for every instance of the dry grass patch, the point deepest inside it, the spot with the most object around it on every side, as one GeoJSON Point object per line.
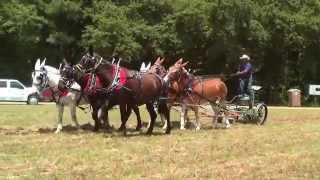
{"type": "Point", "coordinates": [283, 149]}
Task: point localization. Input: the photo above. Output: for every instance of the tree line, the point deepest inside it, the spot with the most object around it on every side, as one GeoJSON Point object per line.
{"type": "Point", "coordinates": [282, 37]}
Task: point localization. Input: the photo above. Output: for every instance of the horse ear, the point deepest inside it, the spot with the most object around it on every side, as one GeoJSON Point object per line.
{"type": "Point", "coordinates": [184, 64]}
{"type": "Point", "coordinates": [37, 65]}
{"type": "Point", "coordinates": [43, 62]}
{"type": "Point", "coordinates": [60, 67]}
{"type": "Point", "coordinates": [143, 66]}
{"type": "Point", "coordinates": [149, 65]}
{"type": "Point", "coordinates": [157, 61]}
{"type": "Point", "coordinates": [161, 61]}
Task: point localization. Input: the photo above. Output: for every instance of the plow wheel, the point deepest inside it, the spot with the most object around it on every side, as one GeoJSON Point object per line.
{"type": "Point", "coordinates": [262, 113]}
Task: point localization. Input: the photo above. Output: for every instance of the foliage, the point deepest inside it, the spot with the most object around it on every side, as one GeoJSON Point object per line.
{"type": "Point", "coordinates": [281, 36]}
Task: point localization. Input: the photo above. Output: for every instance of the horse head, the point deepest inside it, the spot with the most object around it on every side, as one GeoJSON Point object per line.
{"type": "Point", "coordinates": [69, 74]}
{"type": "Point", "coordinates": [158, 68]}
{"type": "Point", "coordinates": [39, 75]}
{"type": "Point", "coordinates": [87, 62]}
{"type": "Point", "coordinates": [177, 71]}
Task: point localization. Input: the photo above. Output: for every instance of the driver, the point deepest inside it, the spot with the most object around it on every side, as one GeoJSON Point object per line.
{"type": "Point", "coordinates": [244, 74]}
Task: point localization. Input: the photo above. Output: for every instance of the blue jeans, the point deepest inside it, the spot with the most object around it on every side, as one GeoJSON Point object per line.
{"type": "Point", "coordinates": [245, 88]}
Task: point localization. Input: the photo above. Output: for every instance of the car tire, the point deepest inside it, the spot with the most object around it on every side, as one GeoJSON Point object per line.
{"type": "Point", "coordinates": [33, 100]}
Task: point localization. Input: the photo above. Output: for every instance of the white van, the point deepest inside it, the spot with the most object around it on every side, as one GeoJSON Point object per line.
{"type": "Point", "coordinates": [14, 90]}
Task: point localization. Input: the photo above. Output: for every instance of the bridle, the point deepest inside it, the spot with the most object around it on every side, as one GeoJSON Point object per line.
{"type": "Point", "coordinates": [43, 78]}
{"type": "Point", "coordinates": [92, 60]}
{"type": "Point", "coordinates": [69, 80]}
{"type": "Point", "coordinates": [159, 69]}
{"type": "Point", "coordinates": [96, 61]}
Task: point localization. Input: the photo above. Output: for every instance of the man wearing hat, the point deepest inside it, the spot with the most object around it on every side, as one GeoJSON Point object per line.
{"type": "Point", "coordinates": [245, 77]}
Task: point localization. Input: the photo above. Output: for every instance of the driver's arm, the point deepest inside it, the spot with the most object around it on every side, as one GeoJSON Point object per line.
{"type": "Point", "coordinates": [245, 71]}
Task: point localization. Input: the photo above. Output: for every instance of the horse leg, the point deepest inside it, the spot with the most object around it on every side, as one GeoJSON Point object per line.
{"type": "Point", "coordinates": [137, 112]}
{"type": "Point", "coordinates": [216, 115]}
{"type": "Point", "coordinates": [60, 108]}
{"type": "Point", "coordinates": [73, 112]}
{"type": "Point", "coordinates": [183, 116]}
{"type": "Point", "coordinates": [163, 120]}
{"type": "Point", "coordinates": [153, 116]}
{"type": "Point", "coordinates": [225, 119]}
{"type": "Point", "coordinates": [96, 119]}
{"type": "Point", "coordinates": [103, 117]}
{"type": "Point", "coordinates": [124, 116]}
{"type": "Point", "coordinates": [187, 118]}
{"type": "Point", "coordinates": [128, 112]}
{"type": "Point", "coordinates": [165, 113]}
{"type": "Point", "coordinates": [196, 113]}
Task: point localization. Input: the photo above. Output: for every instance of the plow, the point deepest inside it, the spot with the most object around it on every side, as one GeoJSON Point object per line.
{"type": "Point", "coordinates": [237, 109]}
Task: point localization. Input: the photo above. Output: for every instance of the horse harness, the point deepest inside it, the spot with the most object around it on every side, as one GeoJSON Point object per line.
{"type": "Point", "coordinates": [43, 78]}
{"type": "Point", "coordinates": [56, 94]}
{"type": "Point", "coordinates": [115, 84]}
{"type": "Point", "coordinates": [188, 90]}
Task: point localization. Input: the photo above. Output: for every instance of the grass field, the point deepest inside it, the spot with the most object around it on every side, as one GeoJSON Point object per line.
{"type": "Point", "coordinates": [287, 147]}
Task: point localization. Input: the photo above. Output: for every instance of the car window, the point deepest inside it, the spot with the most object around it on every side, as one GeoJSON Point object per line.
{"type": "Point", "coordinates": [3, 84]}
{"type": "Point", "coordinates": [16, 85]}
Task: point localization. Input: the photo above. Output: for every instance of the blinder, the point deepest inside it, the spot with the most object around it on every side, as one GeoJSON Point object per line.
{"type": "Point", "coordinates": [42, 79]}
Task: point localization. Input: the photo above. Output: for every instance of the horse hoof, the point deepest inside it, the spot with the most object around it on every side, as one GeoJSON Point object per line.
{"type": "Point", "coordinates": [183, 128]}
{"type": "Point", "coordinates": [168, 131]}
{"type": "Point", "coordinates": [164, 127]}
{"type": "Point", "coordinates": [149, 133]}
{"type": "Point", "coordinates": [198, 128]}
{"type": "Point", "coordinates": [57, 131]}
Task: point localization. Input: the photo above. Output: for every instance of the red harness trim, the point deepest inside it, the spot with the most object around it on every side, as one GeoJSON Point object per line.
{"type": "Point", "coordinates": [87, 84]}
{"type": "Point", "coordinates": [122, 76]}
{"type": "Point", "coordinates": [92, 87]}
{"type": "Point", "coordinates": [54, 93]}
{"type": "Point", "coordinates": [63, 93]}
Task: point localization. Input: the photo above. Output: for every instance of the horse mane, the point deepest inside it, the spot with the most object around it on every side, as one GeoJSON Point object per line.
{"type": "Point", "coordinates": [51, 69]}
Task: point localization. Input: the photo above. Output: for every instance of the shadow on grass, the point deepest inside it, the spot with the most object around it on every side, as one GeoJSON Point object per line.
{"type": "Point", "coordinates": [88, 128]}
{"type": "Point", "coordinates": [68, 129]}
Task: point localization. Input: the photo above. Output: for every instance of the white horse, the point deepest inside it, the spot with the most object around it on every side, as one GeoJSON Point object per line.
{"type": "Point", "coordinates": [44, 75]}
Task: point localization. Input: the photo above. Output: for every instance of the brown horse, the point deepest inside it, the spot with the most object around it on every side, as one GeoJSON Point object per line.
{"type": "Point", "coordinates": [195, 91]}
{"type": "Point", "coordinates": [174, 94]}
{"type": "Point", "coordinates": [130, 87]}
{"type": "Point", "coordinates": [146, 89]}
{"type": "Point", "coordinates": [99, 99]}
{"type": "Point", "coordinates": [159, 69]}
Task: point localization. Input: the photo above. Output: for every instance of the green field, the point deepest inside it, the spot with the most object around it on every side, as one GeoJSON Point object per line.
{"type": "Point", "coordinates": [287, 147]}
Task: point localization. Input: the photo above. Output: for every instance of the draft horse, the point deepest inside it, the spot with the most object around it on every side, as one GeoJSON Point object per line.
{"type": "Point", "coordinates": [195, 91]}
{"type": "Point", "coordinates": [44, 75]}
{"type": "Point", "coordinates": [130, 87]}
